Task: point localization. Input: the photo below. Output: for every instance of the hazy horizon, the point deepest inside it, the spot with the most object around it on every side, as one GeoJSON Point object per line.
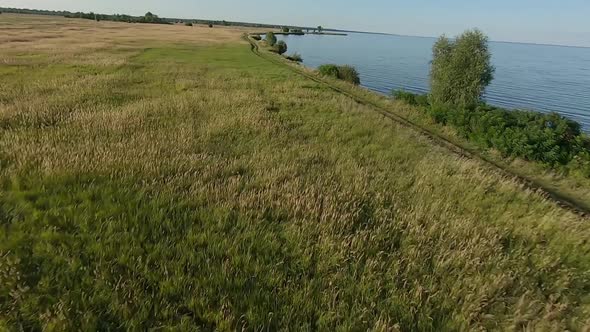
{"type": "Point", "coordinates": [503, 21]}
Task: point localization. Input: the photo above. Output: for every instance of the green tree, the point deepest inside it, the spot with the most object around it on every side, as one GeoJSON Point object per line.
{"type": "Point", "coordinates": [461, 70]}
{"type": "Point", "coordinates": [281, 47]}
{"type": "Point", "coordinates": [320, 29]}
{"type": "Point", "coordinates": [349, 74]}
{"type": "Point", "coordinates": [285, 29]}
{"type": "Point", "coordinates": [271, 39]}
{"type": "Point", "coordinates": [149, 17]}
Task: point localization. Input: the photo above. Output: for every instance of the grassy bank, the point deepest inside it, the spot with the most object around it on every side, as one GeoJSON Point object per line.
{"type": "Point", "coordinates": [166, 177]}
{"type": "Point", "coordinates": [569, 183]}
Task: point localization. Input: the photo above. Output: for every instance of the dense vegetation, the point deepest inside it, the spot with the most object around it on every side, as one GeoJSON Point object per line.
{"type": "Point", "coordinates": [460, 72]}
{"type": "Point", "coordinates": [271, 39]}
{"type": "Point", "coordinates": [280, 47]}
{"type": "Point", "coordinates": [147, 18]}
{"type": "Point", "coordinates": [345, 73]}
{"type": "Point", "coordinates": [169, 179]}
{"type": "Point", "coordinates": [548, 138]}
{"type": "Point", "coordinates": [296, 57]}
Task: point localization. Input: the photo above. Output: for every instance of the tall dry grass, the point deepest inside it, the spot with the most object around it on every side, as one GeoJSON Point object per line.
{"type": "Point", "coordinates": [175, 180]}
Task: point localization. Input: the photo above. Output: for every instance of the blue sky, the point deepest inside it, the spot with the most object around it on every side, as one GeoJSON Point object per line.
{"type": "Point", "coordinates": [564, 22]}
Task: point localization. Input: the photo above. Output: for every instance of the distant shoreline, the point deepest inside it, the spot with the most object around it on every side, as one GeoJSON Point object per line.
{"type": "Point", "coordinates": [271, 26]}
{"type": "Point", "coordinates": [432, 37]}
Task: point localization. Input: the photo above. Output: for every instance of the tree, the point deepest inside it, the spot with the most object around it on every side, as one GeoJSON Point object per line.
{"type": "Point", "coordinates": [281, 47]}
{"type": "Point", "coordinates": [285, 30]}
{"type": "Point", "coordinates": [271, 39]}
{"type": "Point", "coordinates": [460, 70]}
{"type": "Point", "coordinates": [320, 29]}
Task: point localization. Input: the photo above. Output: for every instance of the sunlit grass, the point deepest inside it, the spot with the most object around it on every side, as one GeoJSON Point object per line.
{"type": "Point", "coordinates": [177, 184]}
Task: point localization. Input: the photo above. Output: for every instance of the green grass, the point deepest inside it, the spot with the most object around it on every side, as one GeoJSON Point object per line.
{"type": "Point", "coordinates": [201, 187]}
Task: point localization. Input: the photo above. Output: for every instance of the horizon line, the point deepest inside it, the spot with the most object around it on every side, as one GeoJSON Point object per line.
{"type": "Point", "coordinates": [329, 29]}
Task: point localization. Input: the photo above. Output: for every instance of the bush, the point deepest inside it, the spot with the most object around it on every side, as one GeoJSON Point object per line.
{"type": "Point", "coordinates": [547, 138]}
{"type": "Point", "coordinates": [461, 70]}
{"type": "Point", "coordinates": [345, 73]}
{"type": "Point", "coordinates": [280, 47]}
{"type": "Point", "coordinates": [349, 74]}
{"type": "Point", "coordinates": [286, 30]}
{"type": "Point", "coordinates": [295, 57]}
{"type": "Point", "coordinates": [256, 37]}
{"type": "Point", "coordinates": [271, 39]}
{"type": "Point", "coordinates": [411, 98]}
{"type": "Point", "coordinates": [210, 25]}
{"type": "Point", "coordinates": [188, 24]}
{"type": "Point", "coordinates": [328, 70]}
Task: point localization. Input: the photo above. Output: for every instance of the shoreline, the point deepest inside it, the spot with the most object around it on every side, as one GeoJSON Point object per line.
{"type": "Point", "coordinates": [381, 103]}
{"type": "Point", "coordinates": [301, 33]}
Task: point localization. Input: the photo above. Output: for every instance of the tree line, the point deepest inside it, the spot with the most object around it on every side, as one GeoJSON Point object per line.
{"type": "Point", "coordinates": [137, 19]}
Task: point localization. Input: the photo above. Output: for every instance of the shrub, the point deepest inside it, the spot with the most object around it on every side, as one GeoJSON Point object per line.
{"type": "Point", "coordinates": [188, 24]}
{"type": "Point", "coordinates": [210, 25]}
{"type": "Point", "coordinates": [280, 47]}
{"type": "Point", "coordinates": [256, 37]}
{"type": "Point", "coordinates": [286, 30]}
{"type": "Point", "coordinates": [328, 70]}
{"type": "Point", "coordinates": [345, 73]}
{"type": "Point", "coordinates": [547, 138]}
{"type": "Point", "coordinates": [349, 74]}
{"type": "Point", "coordinates": [411, 98]}
{"type": "Point", "coordinates": [271, 39]}
{"type": "Point", "coordinates": [461, 70]}
{"type": "Point", "coordinates": [295, 57]}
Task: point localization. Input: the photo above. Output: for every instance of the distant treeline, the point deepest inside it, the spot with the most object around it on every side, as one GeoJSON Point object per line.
{"type": "Point", "coordinates": [147, 18]}
{"type": "Point", "coordinates": [143, 19]}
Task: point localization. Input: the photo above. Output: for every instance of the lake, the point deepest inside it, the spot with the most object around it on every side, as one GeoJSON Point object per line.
{"type": "Point", "coordinates": [528, 76]}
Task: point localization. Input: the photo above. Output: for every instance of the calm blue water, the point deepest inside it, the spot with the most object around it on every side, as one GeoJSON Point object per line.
{"type": "Point", "coordinates": [535, 77]}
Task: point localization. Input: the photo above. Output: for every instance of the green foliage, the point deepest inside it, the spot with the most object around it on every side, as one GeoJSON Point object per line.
{"type": "Point", "coordinates": [280, 47]}
{"type": "Point", "coordinates": [329, 70]}
{"type": "Point", "coordinates": [547, 138]}
{"type": "Point", "coordinates": [188, 24]}
{"type": "Point", "coordinates": [151, 18]}
{"type": "Point", "coordinates": [286, 29]}
{"type": "Point", "coordinates": [349, 74]}
{"type": "Point", "coordinates": [411, 98]}
{"type": "Point", "coordinates": [295, 57]}
{"type": "Point", "coordinates": [461, 70]}
{"type": "Point", "coordinates": [345, 73]}
{"type": "Point", "coordinates": [147, 18]}
{"type": "Point", "coordinates": [256, 37]}
{"type": "Point", "coordinates": [320, 28]}
{"type": "Point", "coordinates": [210, 25]}
{"type": "Point", "coordinates": [271, 39]}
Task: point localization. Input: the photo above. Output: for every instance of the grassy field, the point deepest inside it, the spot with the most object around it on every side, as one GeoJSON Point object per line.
{"type": "Point", "coordinates": [164, 177]}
